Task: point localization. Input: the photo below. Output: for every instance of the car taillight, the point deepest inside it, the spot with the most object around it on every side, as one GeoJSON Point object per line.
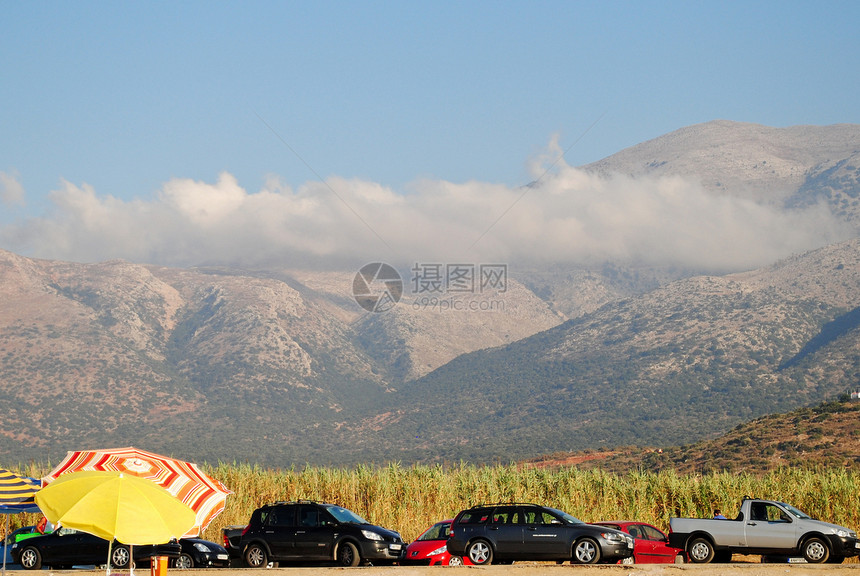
{"type": "Point", "coordinates": [245, 531]}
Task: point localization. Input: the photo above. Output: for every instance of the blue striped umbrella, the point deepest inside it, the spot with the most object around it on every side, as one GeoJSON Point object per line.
{"type": "Point", "coordinates": [16, 490]}
{"type": "Point", "coordinates": [16, 496]}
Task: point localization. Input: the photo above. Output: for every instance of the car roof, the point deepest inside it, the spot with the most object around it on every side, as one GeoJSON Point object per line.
{"type": "Point", "coordinates": [492, 504]}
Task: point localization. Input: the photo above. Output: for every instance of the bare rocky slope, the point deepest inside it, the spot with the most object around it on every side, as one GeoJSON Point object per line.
{"type": "Point", "coordinates": [117, 352]}
{"type": "Point", "coordinates": [790, 165]}
{"type": "Point", "coordinates": [689, 360]}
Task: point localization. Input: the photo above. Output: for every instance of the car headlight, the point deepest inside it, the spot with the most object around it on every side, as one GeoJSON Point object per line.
{"type": "Point", "coordinates": [371, 535]}
{"type": "Point", "coordinates": [202, 547]}
{"type": "Point", "coordinates": [613, 536]}
{"type": "Point", "coordinates": [841, 532]}
{"type": "Point", "coordinates": [438, 551]}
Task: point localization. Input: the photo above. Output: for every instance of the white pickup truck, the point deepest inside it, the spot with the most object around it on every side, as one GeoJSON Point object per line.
{"type": "Point", "coordinates": [763, 527]}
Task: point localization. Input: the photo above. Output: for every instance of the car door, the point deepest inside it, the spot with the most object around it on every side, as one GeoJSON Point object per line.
{"type": "Point", "coordinates": [279, 531]}
{"type": "Point", "coordinates": [505, 529]}
{"type": "Point", "coordinates": [68, 547]}
{"type": "Point", "coordinates": [769, 526]}
{"type": "Point", "coordinates": [315, 533]}
{"type": "Point", "coordinates": [544, 534]}
{"type": "Point", "coordinates": [651, 545]}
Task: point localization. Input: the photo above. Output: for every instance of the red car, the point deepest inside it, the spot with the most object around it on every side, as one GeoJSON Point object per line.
{"type": "Point", "coordinates": [650, 545]}
{"type": "Point", "coordinates": [430, 548]}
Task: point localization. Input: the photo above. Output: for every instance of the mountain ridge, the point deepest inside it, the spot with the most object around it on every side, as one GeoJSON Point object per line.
{"type": "Point", "coordinates": [282, 366]}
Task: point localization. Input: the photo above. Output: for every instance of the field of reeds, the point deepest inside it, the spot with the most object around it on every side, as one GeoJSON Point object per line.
{"type": "Point", "coordinates": [411, 498]}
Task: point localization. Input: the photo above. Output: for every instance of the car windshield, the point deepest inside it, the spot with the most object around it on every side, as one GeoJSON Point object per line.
{"type": "Point", "coordinates": [437, 532]}
{"type": "Point", "coordinates": [346, 516]}
{"type": "Point", "coordinates": [567, 518]}
{"type": "Point", "coordinates": [794, 511]}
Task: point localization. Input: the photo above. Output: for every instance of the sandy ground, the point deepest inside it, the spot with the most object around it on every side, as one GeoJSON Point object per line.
{"type": "Point", "coordinates": [521, 569]}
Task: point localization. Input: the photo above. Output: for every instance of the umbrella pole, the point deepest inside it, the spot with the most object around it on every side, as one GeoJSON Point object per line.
{"type": "Point", "coordinates": [110, 545]}
{"type": "Point", "coordinates": [5, 544]}
{"type": "Point", "coordinates": [131, 560]}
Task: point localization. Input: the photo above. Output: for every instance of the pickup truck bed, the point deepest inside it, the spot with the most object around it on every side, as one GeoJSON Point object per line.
{"type": "Point", "coordinates": [231, 535]}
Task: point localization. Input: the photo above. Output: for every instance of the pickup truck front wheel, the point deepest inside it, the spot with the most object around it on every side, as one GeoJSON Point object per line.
{"type": "Point", "coordinates": [700, 550]}
{"type": "Point", "coordinates": [815, 551]}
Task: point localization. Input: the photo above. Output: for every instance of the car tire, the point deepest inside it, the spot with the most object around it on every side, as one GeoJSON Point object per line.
{"type": "Point", "coordinates": [256, 556]}
{"type": "Point", "coordinates": [480, 553]}
{"type": "Point", "coordinates": [455, 561]}
{"type": "Point", "coordinates": [815, 551]}
{"type": "Point", "coordinates": [347, 555]}
{"type": "Point", "coordinates": [31, 558]}
{"type": "Point", "coordinates": [586, 551]}
{"type": "Point", "coordinates": [184, 562]}
{"type": "Point", "coordinates": [120, 557]}
{"type": "Point", "coordinates": [700, 551]}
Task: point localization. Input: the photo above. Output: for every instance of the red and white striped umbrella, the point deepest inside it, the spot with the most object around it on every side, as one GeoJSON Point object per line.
{"type": "Point", "coordinates": [203, 494]}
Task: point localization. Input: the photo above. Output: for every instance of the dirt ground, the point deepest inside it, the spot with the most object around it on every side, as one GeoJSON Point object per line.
{"type": "Point", "coordinates": [520, 569]}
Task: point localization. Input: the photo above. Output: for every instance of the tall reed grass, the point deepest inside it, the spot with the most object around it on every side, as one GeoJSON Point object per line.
{"type": "Point", "coordinates": [411, 498]}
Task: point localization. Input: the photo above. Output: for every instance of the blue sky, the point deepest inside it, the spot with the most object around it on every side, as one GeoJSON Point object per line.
{"type": "Point", "coordinates": [112, 103]}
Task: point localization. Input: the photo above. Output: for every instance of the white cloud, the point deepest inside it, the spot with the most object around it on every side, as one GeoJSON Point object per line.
{"type": "Point", "coordinates": [11, 190]}
{"type": "Point", "coordinates": [566, 216]}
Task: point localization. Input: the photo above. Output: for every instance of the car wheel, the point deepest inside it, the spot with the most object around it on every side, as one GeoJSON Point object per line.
{"type": "Point", "coordinates": [815, 551]}
{"type": "Point", "coordinates": [347, 554]}
{"type": "Point", "coordinates": [700, 551]}
{"type": "Point", "coordinates": [455, 561]}
{"type": "Point", "coordinates": [120, 557]}
{"type": "Point", "coordinates": [256, 556]}
{"type": "Point", "coordinates": [480, 553]}
{"type": "Point", "coordinates": [31, 559]}
{"type": "Point", "coordinates": [184, 562]}
{"type": "Point", "coordinates": [586, 551]}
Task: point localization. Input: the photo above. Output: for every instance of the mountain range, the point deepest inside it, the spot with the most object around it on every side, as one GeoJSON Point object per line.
{"type": "Point", "coordinates": [282, 366]}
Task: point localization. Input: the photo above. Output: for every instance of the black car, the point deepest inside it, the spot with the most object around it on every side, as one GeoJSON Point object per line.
{"type": "Point", "coordinates": [66, 547]}
{"type": "Point", "coordinates": [503, 533]}
{"type": "Point", "coordinates": [197, 553]}
{"type": "Point", "coordinates": [311, 531]}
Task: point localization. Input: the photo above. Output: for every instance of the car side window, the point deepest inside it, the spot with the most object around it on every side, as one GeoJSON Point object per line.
{"type": "Point", "coordinates": [535, 516]}
{"type": "Point", "coordinates": [504, 515]}
{"type": "Point", "coordinates": [477, 516]}
{"type": "Point", "coordinates": [775, 514]}
{"type": "Point", "coordinates": [309, 516]}
{"type": "Point", "coordinates": [282, 516]}
{"type": "Point", "coordinates": [650, 533]}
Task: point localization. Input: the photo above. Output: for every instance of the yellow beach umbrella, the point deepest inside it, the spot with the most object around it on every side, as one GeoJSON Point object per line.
{"type": "Point", "coordinates": [115, 506]}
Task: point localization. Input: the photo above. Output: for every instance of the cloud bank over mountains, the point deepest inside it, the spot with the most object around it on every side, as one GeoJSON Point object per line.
{"type": "Point", "coordinates": [565, 216]}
